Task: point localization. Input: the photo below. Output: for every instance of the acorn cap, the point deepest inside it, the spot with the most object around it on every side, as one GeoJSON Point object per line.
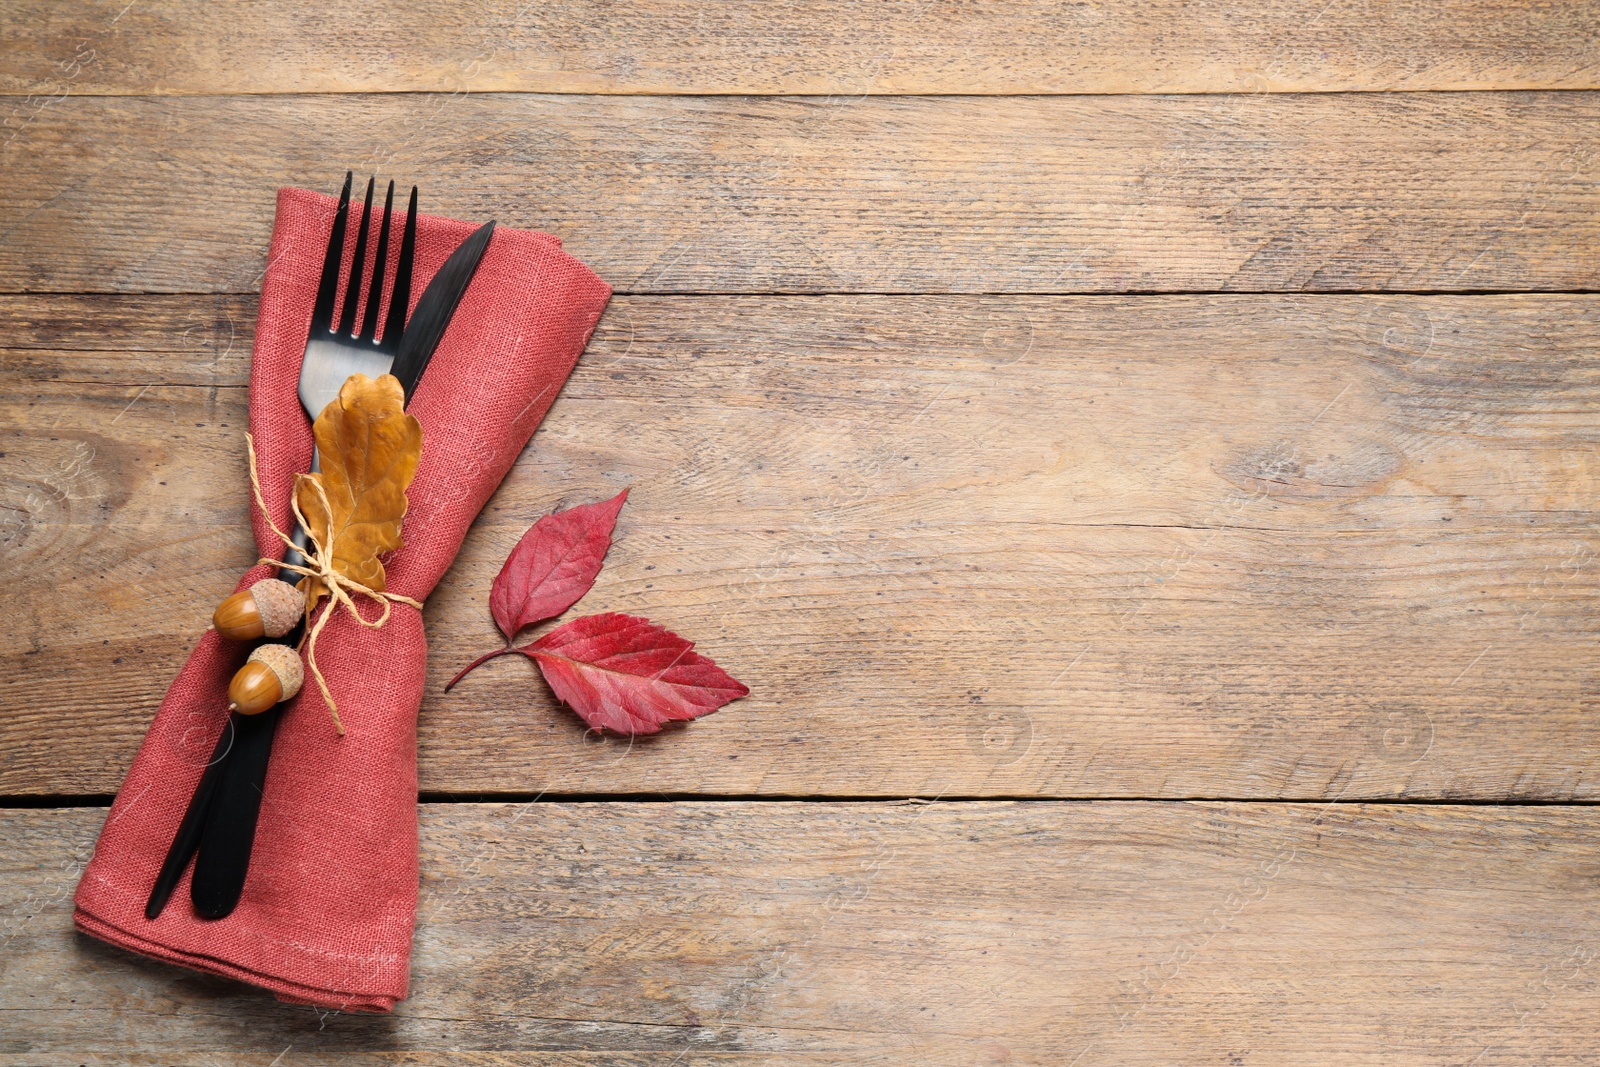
{"type": "Point", "coordinates": [281, 606]}
{"type": "Point", "coordinates": [284, 662]}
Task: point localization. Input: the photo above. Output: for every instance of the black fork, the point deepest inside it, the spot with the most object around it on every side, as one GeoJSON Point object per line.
{"type": "Point", "coordinates": [219, 823]}
{"type": "Point", "coordinates": [333, 353]}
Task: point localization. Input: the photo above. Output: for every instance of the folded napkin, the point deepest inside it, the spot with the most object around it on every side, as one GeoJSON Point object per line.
{"type": "Point", "coordinates": [328, 909]}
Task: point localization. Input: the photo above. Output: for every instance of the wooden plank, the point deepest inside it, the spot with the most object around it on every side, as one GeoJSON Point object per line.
{"type": "Point", "coordinates": [824, 46]}
{"type": "Point", "coordinates": [1095, 934]}
{"type": "Point", "coordinates": [1426, 191]}
{"type": "Point", "coordinates": [1252, 546]}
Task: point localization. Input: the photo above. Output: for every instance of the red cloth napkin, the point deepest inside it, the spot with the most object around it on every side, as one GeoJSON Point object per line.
{"type": "Point", "coordinates": [328, 909]}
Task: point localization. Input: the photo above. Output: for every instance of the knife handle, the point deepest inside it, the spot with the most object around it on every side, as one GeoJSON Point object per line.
{"type": "Point", "coordinates": [229, 830]}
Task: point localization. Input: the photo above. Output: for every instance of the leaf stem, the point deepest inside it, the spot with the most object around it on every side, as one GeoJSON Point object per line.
{"type": "Point", "coordinates": [475, 664]}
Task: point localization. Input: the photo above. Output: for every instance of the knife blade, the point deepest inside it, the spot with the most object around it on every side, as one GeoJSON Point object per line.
{"type": "Point", "coordinates": [437, 307]}
{"type": "Point", "coordinates": [227, 836]}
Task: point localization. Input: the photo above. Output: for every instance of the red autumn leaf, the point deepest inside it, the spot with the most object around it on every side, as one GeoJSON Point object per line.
{"type": "Point", "coordinates": [624, 673]}
{"type": "Point", "coordinates": [554, 564]}
{"type": "Point", "coordinates": [618, 672]}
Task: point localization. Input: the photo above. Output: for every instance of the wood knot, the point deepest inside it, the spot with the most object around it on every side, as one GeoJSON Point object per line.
{"type": "Point", "coordinates": [1328, 471]}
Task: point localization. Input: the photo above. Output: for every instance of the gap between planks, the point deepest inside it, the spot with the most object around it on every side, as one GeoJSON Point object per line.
{"type": "Point", "coordinates": [104, 800]}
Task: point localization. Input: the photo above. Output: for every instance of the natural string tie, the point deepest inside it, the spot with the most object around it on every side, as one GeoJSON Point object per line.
{"type": "Point", "coordinates": [322, 569]}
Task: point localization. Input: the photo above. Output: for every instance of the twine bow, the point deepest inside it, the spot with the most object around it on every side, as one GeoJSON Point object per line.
{"type": "Point", "coordinates": [322, 569]}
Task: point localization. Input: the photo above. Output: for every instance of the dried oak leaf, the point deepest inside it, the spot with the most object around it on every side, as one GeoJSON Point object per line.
{"type": "Point", "coordinates": [554, 564]}
{"type": "Point", "coordinates": [369, 448]}
{"type": "Point", "coordinates": [623, 673]}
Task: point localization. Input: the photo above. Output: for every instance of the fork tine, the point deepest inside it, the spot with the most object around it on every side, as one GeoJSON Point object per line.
{"type": "Point", "coordinates": [322, 311]}
{"type": "Point", "coordinates": [400, 296]}
{"type": "Point", "coordinates": [352, 292]}
{"type": "Point", "coordinates": [380, 267]}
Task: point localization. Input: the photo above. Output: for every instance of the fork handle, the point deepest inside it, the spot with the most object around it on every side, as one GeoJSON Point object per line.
{"type": "Point", "coordinates": [297, 554]}
{"type": "Point", "coordinates": [229, 833]}
{"type": "Point", "coordinates": [190, 830]}
{"type": "Point", "coordinates": [227, 837]}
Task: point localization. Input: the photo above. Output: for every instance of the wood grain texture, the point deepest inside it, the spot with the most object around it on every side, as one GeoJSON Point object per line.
{"type": "Point", "coordinates": [1095, 934]}
{"type": "Point", "coordinates": [835, 46]}
{"type": "Point", "coordinates": [1423, 191]}
{"type": "Point", "coordinates": [1236, 546]}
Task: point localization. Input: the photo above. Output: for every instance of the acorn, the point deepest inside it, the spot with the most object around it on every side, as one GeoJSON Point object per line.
{"type": "Point", "coordinates": [270, 608]}
{"type": "Point", "coordinates": [271, 675]}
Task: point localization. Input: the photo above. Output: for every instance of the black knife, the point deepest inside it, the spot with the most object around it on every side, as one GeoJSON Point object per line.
{"type": "Point", "coordinates": [220, 822]}
{"type": "Point", "coordinates": [223, 859]}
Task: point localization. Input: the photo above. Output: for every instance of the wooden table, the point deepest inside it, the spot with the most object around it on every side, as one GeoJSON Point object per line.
{"type": "Point", "coordinates": [1142, 457]}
